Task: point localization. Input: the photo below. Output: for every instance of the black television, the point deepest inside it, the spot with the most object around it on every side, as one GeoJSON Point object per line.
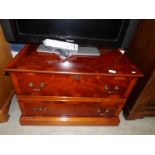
{"type": "Point", "coordinates": [107, 33]}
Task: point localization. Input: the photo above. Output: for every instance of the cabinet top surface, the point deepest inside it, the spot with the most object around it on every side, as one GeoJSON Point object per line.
{"type": "Point", "coordinates": [29, 60]}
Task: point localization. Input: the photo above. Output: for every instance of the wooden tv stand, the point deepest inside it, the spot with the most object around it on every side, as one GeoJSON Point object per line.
{"type": "Point", "coordinates": [78, 91]}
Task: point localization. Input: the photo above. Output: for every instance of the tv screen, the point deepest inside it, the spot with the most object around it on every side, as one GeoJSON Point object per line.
{"type": "Point", "coordinates": [85, 32]}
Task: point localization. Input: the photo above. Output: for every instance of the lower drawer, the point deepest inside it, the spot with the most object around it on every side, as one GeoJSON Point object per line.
{"type": "Point", "coordinates": [60, 108]}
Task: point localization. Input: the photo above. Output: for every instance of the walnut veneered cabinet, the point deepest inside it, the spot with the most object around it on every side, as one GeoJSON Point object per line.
{"type": "Point", "coordinates": [78, 91]}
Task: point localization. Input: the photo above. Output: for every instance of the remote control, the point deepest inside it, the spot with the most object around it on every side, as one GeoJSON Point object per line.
{"type": "Point", "coordinates": [60, 44]}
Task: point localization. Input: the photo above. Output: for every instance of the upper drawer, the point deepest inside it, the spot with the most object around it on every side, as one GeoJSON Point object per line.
{"type": "Point", "coordinates": [74, 85]}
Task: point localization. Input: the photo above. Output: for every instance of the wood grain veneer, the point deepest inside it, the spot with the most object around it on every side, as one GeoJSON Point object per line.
{"type": "Point", "coordinates": [77, 91]}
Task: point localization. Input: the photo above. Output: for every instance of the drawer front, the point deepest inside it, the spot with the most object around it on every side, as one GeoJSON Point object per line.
{"type": "Point", "coordinates": [59, 108]}
{"type": "Point", "coordinates": [71, 85]}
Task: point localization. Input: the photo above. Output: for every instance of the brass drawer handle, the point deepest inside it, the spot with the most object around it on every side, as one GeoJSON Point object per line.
{"type": "Point", "coordinates": [108, 90]}
{"type": "Point", "coordinates": [117, 87]}
{"type": "Point", "coordinates": [106, 87]}
{"type": "Point", "coordinates": [77, 76]}
{"type": "Point", "coordinates": [36, 90]}
{"type": "Point", "coordinates": [42, 85]}
{"type": "Point", "coordinates": [30, 84]}
{"type": "Point", "coordinates": [102, 112]}
{"type": "Point", "coordinates": [111, 91]}
{"type": "Point", "coordinates": [40, 109]}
